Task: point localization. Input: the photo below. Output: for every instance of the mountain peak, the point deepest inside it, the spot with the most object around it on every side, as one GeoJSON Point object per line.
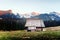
{"type": "Point", "coordinates": [35, 13]}
{"type": "Point", "coordinates": [4, 12]}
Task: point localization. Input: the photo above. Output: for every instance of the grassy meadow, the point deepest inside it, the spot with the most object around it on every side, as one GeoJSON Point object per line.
{"type": "Point", "coordinates": [52, 33]}
{"type": "Point", "coordinates": [23, 35]}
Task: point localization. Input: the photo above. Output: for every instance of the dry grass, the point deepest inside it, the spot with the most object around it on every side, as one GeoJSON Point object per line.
{"type": "Point", "coordinates": [57, 28]}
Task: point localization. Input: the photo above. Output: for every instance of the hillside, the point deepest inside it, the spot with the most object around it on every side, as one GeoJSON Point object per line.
{"type": "Point", "coordinates": [56, 28]}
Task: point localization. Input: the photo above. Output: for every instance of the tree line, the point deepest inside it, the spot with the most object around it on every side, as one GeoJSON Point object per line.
{"type": "Point", "coordinates": [12, 24]}
{"type": "Point", "coordinates": [19, 24]}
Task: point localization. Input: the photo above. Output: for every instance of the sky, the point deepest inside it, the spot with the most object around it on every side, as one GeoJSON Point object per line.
{"type": "Point", "coordinates": [26, 6]}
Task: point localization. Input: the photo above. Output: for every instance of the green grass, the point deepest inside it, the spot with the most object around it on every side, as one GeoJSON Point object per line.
{"type": "Point", "coordinates": [22, 35]}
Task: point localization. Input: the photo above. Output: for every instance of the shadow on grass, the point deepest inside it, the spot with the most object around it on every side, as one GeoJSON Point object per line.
{"type": "Point", "coordinates": [17, 38]}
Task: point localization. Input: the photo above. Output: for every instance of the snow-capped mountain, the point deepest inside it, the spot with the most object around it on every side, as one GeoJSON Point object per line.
{"type": "Point", "coordinates": [8, 15]}
{"type": "Point", "coordinates": [29, 15]}
{"type": "Point", "coordinates": [47, 17]}
{"type": "Point", "coordinates": [54, 16]}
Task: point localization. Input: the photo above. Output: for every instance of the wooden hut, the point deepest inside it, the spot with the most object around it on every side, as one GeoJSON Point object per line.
{"type": "Point", "coordinates": [34, 24]}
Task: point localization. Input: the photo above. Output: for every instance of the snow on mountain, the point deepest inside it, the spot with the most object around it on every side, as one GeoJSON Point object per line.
{"type": "Point", "coordinates": [47, 17]}
{"type": "Point", "coordinates": [29, 15]}
{"type": "Point", "coordinates": [53, 15]}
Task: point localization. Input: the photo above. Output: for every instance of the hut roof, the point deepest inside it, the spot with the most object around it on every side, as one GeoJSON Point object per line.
{"type": "Point", "coordinates": [34, 22]}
